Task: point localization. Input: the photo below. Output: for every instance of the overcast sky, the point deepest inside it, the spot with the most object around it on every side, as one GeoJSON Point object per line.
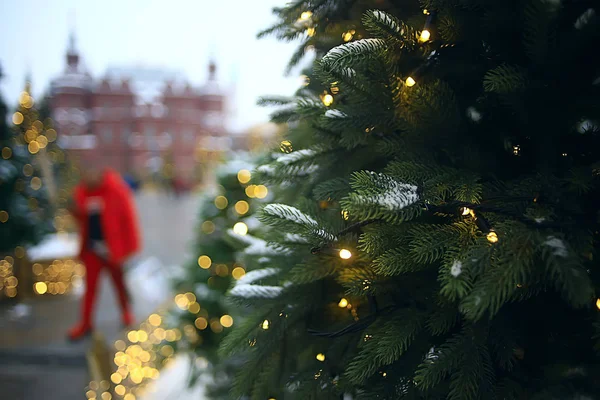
{"type": "Point", "coordinates": [178, 34]}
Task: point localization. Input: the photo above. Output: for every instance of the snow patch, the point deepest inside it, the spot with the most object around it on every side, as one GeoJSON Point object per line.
{"type": "Point", "coordinates": [558, 246]}
{"type": "Point", "coordinates": [396, 196]}
{"type": "Point", "coordinates": [295, 238]}
{"type": "Point", "coordinates": [53, 247]}
{"type": "Point", "coordinates": [585, 18]}
{"type": "Point", "coordinates": [456, 268]}
{"type": "Point", "coordinates": [257, 274]}
{"type": "Point", "coordinates": [266, 169]}
{"type": "Point", "coordinates": [296, 156]}
{"type": "Point", "coordinates": [335, 114]}
{"type": "Point", "coordinates": [289, 213]}
{"type": "Point", "coordinates": [256, 246]}
{"type": "Point", "coordinates": [474, 114]}
{"type": "Point", "coordinates": [255, 291]}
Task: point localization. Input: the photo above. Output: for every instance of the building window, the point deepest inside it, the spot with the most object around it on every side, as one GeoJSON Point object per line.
{"type": "Point", "coordinates": [107, 135]}
{"type": "Point", "coordinates": [188, 136]}
{"type": "Point", "coordinates": [125, 135]}
{"type": "Point", "coordinates": [150, 137]}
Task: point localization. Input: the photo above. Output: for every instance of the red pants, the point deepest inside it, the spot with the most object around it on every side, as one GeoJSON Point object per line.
{"type": "Point", "coordinates": [93, 266]}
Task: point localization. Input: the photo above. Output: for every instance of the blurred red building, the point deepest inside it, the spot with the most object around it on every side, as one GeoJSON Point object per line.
{"type": "Point", "coordinates": [140, 120]}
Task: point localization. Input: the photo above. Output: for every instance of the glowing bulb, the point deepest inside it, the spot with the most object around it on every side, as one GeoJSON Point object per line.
{"type": "Point", "coordinates": [238, 272]}
{"type": "Point", "coordinates": [410, 81]}
{"type": "Point", "coordinates": [240, 228]}
{"type": "Point", "coordinates": [598, 303]}
{"type": "Point", "coordinates": [226, 321]}
{"type": "Point", "coordinates": [17, 118]}
{"type": "Point", "coordinates": [466, 211]}
{"type": "Point", "coordinates": [492, 237]}
{"type": "Point", "coordinates": [204, 262]}
{"type": "Point", "coordinates": [343, 303]}
{"type": "Point", "coordinates": [425, 35]}
{"type": "Point", "coordinates": [345, 214]}
{"type": "Point", "coordinates": [242, 207]}
{"type": "Point", "coordinates": [345, 254]}
{"type": "Point", "coordinates": [265, 324]}
{"type": "Point", "coordinates": [310, 32]}
{"type": "Point", "coordinates": [425, 11]}
{"type": "Point", "coordinates": [261, 191]}
{"type": "Point", "coordinates": [244, 176]}
{"type": "Point", "coordinates": [221, 202]}
{"type": "Point", "coordinates": [327, 100]}
{"type": "Point", "coordinates": [306, 15]}
{"type": "Point", "coordinates": [320, 357]}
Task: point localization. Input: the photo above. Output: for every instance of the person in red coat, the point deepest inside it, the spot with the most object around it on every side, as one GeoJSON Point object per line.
{"type": "Point", "coordinates": [104, 208]}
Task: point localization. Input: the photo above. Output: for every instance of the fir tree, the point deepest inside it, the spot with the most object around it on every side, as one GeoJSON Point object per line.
{"type": "Point", "coordinates": [25, 214]}
{"type": "Point", "coordinates": [441, 235]}
{"type": "Point", "coordinates": [226, 216]}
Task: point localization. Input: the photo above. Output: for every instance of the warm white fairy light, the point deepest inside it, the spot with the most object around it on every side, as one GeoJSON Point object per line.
{"type": "Point", "coordinates": [492, 237]}
{"type": "Point", "coordinates": [410, 81]}
{"type": "Point", "coordinates": [425, 35]}
{"type": "Point", "coordinates": [345, 254]}
{"type": "Point", "coordinates": [320, 357]}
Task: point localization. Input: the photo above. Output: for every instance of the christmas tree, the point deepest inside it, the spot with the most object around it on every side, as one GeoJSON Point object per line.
{"type": "Point", "coordinates": [25, 213]}
{"type": "Point", "coordinates": [201, 310]}
{"type": "Point", "coordinates": [441, 235]}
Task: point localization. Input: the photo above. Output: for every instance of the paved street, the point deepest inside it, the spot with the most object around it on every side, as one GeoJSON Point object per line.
{"type": "Point", "coordinates": [35, 359]}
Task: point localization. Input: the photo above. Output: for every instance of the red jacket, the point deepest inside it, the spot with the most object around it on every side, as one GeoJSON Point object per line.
{"type": "Point", "coordinates": [118, 218]}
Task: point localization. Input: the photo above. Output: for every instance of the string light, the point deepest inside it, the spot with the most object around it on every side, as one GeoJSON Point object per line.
{"type": "Point", "coordinates": [265, 324]}
{"type": "Point", "coordinates": [466, 211]}
{"type": "Point", "coordinates": [240, 228]}
{"type": "Point", "coordinates": [598, 303]}
{"type": "Point", "coordinates": [261, 191]}
{"type": "Point", "coordinates": [204, 262]}
{"type": "Point", "coordinates": [311, 32]}
{"type": "Point", "coordinates": [492, 237]}
{"type": "Point", "coordinates": [410, 81]}
{"type": "Point", "coordinates": [347, 36]}
{"type": "Point", "coordinates": [320, 357]}
{"type": "Point", "coordinates": [345, 254]}
{"type": "Point", "coordinates": [345, 215]}
{"type": "Point", "coordinates": [244, 176]}
{"type": "Point", "coordinates": [306, 15]}
{"type": "Point", "coordinates": [285, 146]}
{"type": "Point", "coordinates": [516, 150]}
{"type": "Point", "coordinates": [242, 207]}
{"type": "Point", "coordinates": [327, 100]}
{"type": "Point", "coordinates": [221, 202]}
{"type": "Point", "coordinates": [226, 321]}
{"type": "Point", "coordinates": [343, 303]}
{"type": "Point", "coordinates": [17, 118]}
{"type": "Point", "coordinates": [425, 11]}
{"type": "Point", "coordinates": [238, 272]}
{"type": "Point", "coordinates": [425, 35]}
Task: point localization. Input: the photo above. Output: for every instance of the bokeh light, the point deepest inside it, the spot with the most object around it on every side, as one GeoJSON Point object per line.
{"type": "Point", "coordinates": [204, 262]}
{"type": "Point", "coordinates": [244, 176]}
{"type": "Point", "coordinates": [242, 207]}
{"type": "Point", "coordinates": [240, 228]}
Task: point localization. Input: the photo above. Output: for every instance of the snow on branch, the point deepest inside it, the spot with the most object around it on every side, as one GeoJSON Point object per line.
{"type": "Point", "coordinates": [257, 274]}
{"type": "Point", "coordinates": [289, 213]}
{"type": "Point", "coordinates": [296, 156]}
{"type": "Point", "coordinates": [395, 196]}
{"type": "Point", "coordinates": [351, 49]}
{"type": "Point", "coordinates": [256, 246]}
{"type": "Point", "coordinates": [385, 19]}
{"type": "Point", "coordinates": [335, 114]}
{"type": "Point", "coordinates": [255, 291]}
{"type": "Point", "coordinates": [558, 246]}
